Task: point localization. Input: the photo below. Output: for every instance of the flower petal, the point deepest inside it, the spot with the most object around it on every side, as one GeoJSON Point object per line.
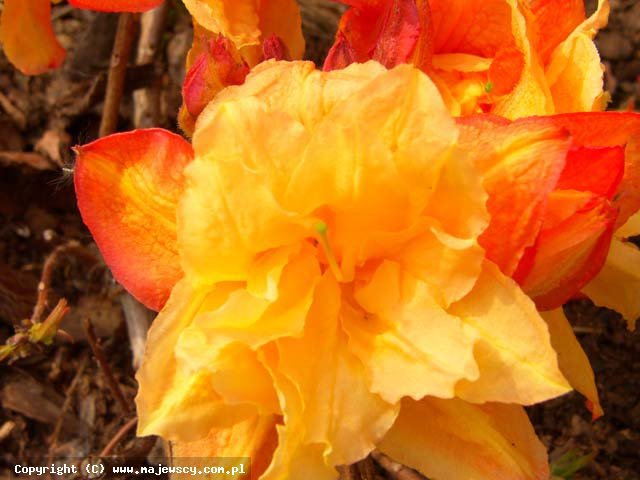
{"type": "Point", "coordinates": [571, 248]}
{"type": "Point", "coordinates": [611, 129]}
{"type": "Point", "coordinates": [172, 401]}
{"type": "Point", "coordinates": [517, 362]}
{"type": "Point", "coordinates": [254, 438]}
{"type": "Point", "coordinates": [339, 411]}
{"type": "Point", "coordinates": [387, 32]}
{"type": "Point", "coordinates": [246, 22]}
{"type": "Point", "coordinates": [116, 5]}
{"type": "Point", "coordinates": [27, 36]}
{"type": "Point", "coordinates": [618, 283]}
{"type": "Point", "coordinates": [128, 186]}
{"type": "Point", "coordinates": [573, 362]}
{"type": "Point", "coordinates": [521, 164]}
{"type": "Point", "coordinates": [455, 440]}
{"type": "Point", "coordinates": [392, 334]}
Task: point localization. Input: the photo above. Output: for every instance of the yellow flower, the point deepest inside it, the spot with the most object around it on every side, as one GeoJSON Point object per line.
{"type": "Point", "coordinates": [334, 296]}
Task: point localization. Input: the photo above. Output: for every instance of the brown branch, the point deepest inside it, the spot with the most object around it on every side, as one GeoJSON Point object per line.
{"type": "Point", "coordinates": [117, 70]}
{"type": "Point", "coordinates": [113, 384]}
{"type": "Point", "coordinates": [113, 443]}
{"type": "Point", "coordinates": [146, 102]}
{"type": "Point", "coordinates": [47, 274]}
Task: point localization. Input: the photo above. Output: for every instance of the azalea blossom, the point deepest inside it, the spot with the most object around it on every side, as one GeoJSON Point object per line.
{"type": "Point", "coordinates": [323, 239]}
{"type": "Point", "coordinates": [513, 58]}
{"type": "Point", "coordinates": [27, 36]}
{"type": "Point", "coordinates": [230, 37]}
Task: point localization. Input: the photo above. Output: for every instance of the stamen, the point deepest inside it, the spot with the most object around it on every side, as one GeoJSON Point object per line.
{"type": "Point", "coordinates": [322, 229]}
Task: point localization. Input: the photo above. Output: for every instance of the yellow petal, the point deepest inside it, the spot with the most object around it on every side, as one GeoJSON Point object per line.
{"type": "Point", "coordinates": [178, 404]}
{"type": "Point", "coordinates": [517, 362]}
{"type": "Point", "coordinates": [393, 337]}
{"type": "Point", "coordinates": [575, 75]}
{"type": "Point", "coordinates": [254, 438]}
{"type": "Point", "coordinates": [338, 410]}
{"type": "Point", "coordinates": [573, 362]}
{"type": "Point", "coordinates": [238, 158]}
{"type": "Point", "coordinates": [617, 286]}
{"type": "Point", "coordinates": [27, 37]}
{"type": "Point", "coordinates": [455, 440]}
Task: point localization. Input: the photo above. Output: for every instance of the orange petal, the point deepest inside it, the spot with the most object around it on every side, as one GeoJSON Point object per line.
{"type": "Point", "coordinates": [571, 248]}
{"type": "Point", "coordinates": [128, 186]}
{"type": "Point", "coordinates": [27, 36]}
{"type": "Point", "coordinates": [551, 22]}
{"type": "Point", "coordinates": [116, 5]}
{"type": "Point", "coordinates": [573, 362]}
{"type": "Point", "coordinates": [521, 163]}
{"type": "Point", "coordinates": [254, 438]}
{"type": "Point", "coordinates": [596, 170]}
{"type": "Point", "coordinates": [611, 129]}
{"type": "Point", "coordinates": [387, 32]}
{"type": "Point", "coordinates": [456, 440]}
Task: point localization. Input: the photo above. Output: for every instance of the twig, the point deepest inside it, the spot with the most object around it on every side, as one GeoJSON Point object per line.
{"type": "Point", "coordinates": [137, 318]}
{"type": "Point", "coordinates": [117, 70]}
{"type": "Point", "coordinates": [47, 273]}
{"type": "Point", "coordinates": [117, 437]}
{"type": "Point", "coordinates": [398, 471]}
{"type": "Point", "coordinates": [362, 470]}
{"type": "Point", "coordinates": [113, 384]}
{"type": "Point", "coordinates": [65, 407]}
{"type": "Point", "coordinates": [146, 108]}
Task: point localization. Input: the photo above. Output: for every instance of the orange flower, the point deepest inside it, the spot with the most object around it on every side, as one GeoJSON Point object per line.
{"type": "Point", "coordinates": [329, 294]}
{"type": "Point", "coordinates": [230, 36]}
{"type": "Point", "coordinates": [27, 36]}
{"type": "Point", "coordinates": [511, 58]}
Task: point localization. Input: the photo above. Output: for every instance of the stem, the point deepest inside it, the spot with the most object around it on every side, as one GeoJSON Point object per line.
{"type": "Point", "coordinates": [114, 386]}
{"type": "Point", "coordinates": [117, 71]}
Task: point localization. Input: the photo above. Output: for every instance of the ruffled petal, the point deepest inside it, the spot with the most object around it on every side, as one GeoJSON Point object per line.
{"type": "Point", "coordinates": [391, 330]}
{"type": "Point", "coordinates": [573, 362]}
{"type": "Point", "coordinates": [27, 36]}
{"type": "Point", "coordinates": [455, 440]}
{"type": "Point", "coordinates": [172, 401]}
{"type": "Point", "coordinates": [128, 186]}
{"type": "Point", "coordinates": [338, 410]}
{"type": "Point", "coordinates": [517, 362]}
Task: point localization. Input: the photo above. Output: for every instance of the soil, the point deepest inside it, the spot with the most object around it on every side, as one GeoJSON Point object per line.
{"type": "Point", "coordinates": [57, 403]}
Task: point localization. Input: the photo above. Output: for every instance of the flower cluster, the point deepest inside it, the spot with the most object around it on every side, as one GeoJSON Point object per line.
{"type": "Point", "coordinates": [374, 255]}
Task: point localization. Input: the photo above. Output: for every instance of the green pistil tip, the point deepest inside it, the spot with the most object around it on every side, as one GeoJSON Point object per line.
{"type": "Point", "coordinates": [322, 228]}
{"type": "Point", "coordinates": [488, 87]}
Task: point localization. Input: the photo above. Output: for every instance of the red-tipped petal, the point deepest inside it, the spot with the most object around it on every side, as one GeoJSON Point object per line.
{"type": "Point", "coordinates": [27, 36]}
{"type": "Point", "coordinates": [218, 66]}
{"type": "Point", "coordinates": [611, 129]}
{"type": "Point", "coordinates": [128, 185]}
{"type": "Point", "coordinates": [116, 5]}
{"type": "Point", "coordinates": [571, 248]}
{"type": "Point", "coordinates": [596, 170]}
{"type": "Point", "coordinates": [274, 48]}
